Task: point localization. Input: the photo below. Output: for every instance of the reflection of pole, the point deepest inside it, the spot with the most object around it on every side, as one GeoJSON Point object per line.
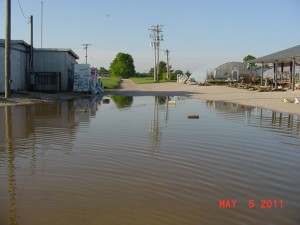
{"type": "Point", "coordinates": [154, 127]}
{"type": "Point", "coordinates": [167, 110]}
{"type": "Point", "coordinates": [12, 213]}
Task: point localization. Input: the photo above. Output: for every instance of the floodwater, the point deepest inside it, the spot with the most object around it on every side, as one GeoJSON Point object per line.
{"type": "Point", "coordinates": [140, 161]}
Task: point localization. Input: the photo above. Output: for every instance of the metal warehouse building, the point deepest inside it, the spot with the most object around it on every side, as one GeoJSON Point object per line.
{"type": "Point", "coordinates": [47, 61]}
{"type": "Point", "coordinates": [19, 64]}
{"type": "Point", "coordinates": [53, 68]}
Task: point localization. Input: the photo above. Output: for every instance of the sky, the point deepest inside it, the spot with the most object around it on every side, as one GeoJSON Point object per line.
{"type": "Point", "coordinates": [200, 34]}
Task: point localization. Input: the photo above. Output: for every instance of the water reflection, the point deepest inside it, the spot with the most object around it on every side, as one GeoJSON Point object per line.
{"type": "Point", "coordinates": [122, 101]}
{"type": "Point", "coordinates": [39, 127]}
{"type": "Point", "coordinates": [12, 212]}
{"type": "Point", "coordinates": [74, 160]}
{"type": "Point", "coordinates": [271, 120]}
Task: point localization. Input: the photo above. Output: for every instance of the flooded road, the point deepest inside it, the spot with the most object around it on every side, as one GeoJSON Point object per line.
{"type": "Point", "coordinates": [140, 160]}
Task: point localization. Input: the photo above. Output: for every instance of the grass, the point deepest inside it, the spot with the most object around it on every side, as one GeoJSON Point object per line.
{"type": "Point", "coordinates": [111, 82]}
{"type": "Point", "coordinates": [147, 80]}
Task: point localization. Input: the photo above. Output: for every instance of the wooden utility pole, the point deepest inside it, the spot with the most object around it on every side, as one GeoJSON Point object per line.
{"type": "Point", "coordinates": [156, 38]}
{"type": "Point", "coordinates": [7, 49]}
{"type": "Point", "coordinates": [31, 44]}
{"type": "Point", "coordinates": [168, 66]}
{"type": "Point", "coordinates": [86, 48]}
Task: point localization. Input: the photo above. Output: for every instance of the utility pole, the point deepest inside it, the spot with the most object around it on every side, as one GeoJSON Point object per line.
{"type": "Point", "coordinates": [86, 48]}
{"type": "Point", "coordinates": [168, 66]}
{"type": "Point", "coordinates": [42, 14]}
{"type": "Point", "coordinates": [153, 45]}
{"type": "Point", "coordinates": [31, 44]}
{"type": "Point", "coordinates": [156, 38]}
{"type": "Point", "coordinates": [7, 49]}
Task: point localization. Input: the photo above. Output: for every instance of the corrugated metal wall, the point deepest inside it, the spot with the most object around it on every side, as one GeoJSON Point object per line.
{"type": "Point", "coordinates": [47, 61]}
{"type": "Point", "coordinates": [55, 61]}
{"type": "Point", "coordinates": [19, 65]}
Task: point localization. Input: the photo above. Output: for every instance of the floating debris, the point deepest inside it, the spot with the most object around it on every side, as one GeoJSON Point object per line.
{"type": "Point", "coordinates": [193, 116]}
{"type": "Point", "coordinates": [286, 100]}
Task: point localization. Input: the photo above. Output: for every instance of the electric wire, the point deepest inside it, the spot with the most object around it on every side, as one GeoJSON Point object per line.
{"type": "Point", "coordinates": [26, 17]}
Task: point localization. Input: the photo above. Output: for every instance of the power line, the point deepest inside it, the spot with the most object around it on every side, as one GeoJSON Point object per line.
{"type": "Point", "coordinates": [27, 17]}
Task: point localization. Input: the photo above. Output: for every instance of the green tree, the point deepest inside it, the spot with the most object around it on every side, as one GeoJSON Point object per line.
{"type": "Point", "coordinates": [102, 70]}
{"type": "Point", "coordinates": [151, 72]}
{"type": "Point", "coordinates": [248, 58]}
{"type": "Point", "coordinates": [162, 70]}
{"type": "Point", "coordinates": [122, 66]}
{"type": "Point", "coordinates": [178, 72]}
{"type": "Point", "coordinates": [162, 67]}
{"type": "Point", "coordinates": [188, 73]}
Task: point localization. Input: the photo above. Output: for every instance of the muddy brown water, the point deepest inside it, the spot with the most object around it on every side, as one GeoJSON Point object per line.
{"type": "Point", "coordinates": [139, 160]}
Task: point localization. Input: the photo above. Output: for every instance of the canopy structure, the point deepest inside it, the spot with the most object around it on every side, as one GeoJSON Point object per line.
{"type": "Point", "coordinates": [287, 57]}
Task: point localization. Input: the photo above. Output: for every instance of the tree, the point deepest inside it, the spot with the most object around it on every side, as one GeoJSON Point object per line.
{"type": "Point", "coordinates": [162, 67]}
{"type": "Point", "coordinates": [102, 70]}
{"type": "Point", "coordinates": [188, 73]}
{"type": "Point", "coordinates": [178, 72]}
{"type": "Point", "coordinates": [248, 58]}
{"type": "Point", "coordinates": [122, 66]}
{"type": "Point", "coordinates": [162, 70]}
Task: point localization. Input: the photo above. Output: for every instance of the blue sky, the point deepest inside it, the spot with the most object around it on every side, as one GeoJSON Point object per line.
{"type": "Point", "coordinates": [199, 34]}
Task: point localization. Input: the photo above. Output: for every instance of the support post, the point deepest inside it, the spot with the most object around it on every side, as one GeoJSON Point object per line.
{"type": "Point", "coordinates": [281, 77]}
{"type": "Point", "coordinates": [262, 74]}
{"type": "Point", "coordinates": [250, 76]}
{"type": "Point", "coordinates": [7, 49]}
{"type": "Point", "coordinates": [276, 73]}
{"type": "Point", "coordinates": [293, 74]}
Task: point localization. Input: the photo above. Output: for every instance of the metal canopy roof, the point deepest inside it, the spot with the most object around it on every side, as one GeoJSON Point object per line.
{"type": "Point", "coordinates": [284, 56]}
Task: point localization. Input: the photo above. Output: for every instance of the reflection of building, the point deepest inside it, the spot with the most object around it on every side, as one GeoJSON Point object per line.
{"type": "Point", "coordinates": [29, 131]}
{"type": "Point", "coordinates": [258, 117]}
{"type": "Point", "coordinates": [227, 107]}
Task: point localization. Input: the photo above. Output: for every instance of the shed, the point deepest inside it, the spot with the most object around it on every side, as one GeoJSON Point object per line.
{"type": "Point", "coordinates": [287, 57]}
{"type": "Point", "coordinates": [56, 61]}
{"type": "Point", "coordinates": [19, 64]}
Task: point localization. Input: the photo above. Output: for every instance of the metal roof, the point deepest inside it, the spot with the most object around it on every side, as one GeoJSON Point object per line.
{"type": "Point", "coordinates": [57, 50]}
{"type": "Point", "coordinates": [2, 41]}
{"type": "Point", "coordinates": [284, 56]}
